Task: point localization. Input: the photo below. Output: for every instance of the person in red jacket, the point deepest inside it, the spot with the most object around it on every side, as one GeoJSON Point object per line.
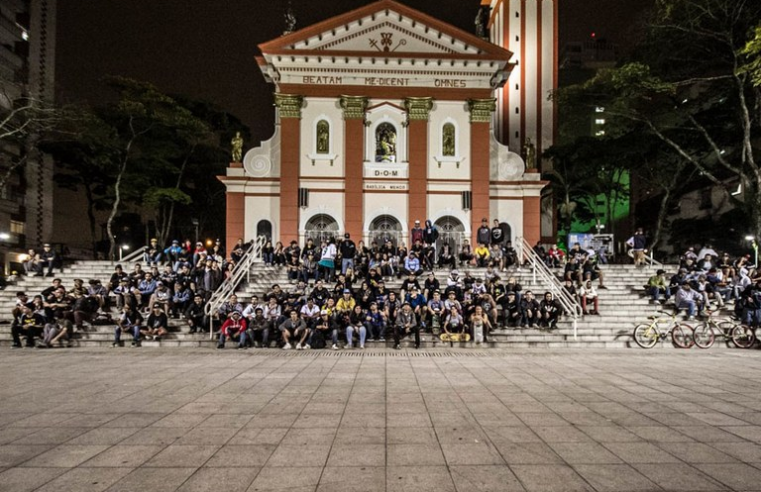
{"type": "Point", "coordinates": [234, 328]}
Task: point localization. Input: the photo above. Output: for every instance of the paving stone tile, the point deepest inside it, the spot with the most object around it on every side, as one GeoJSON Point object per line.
{"type": "Point", "coordinates": [615, 478]}
{"type": "Point", "coordinates": [738, 476]}
{"type": "Point", "coordinates": [236, 479]}
{"type": "Point", "coordinates": [255, 435]}
{"type": "Point", "coordinates": [471, 454]}
{"type": "Point", "coordinates": [182, 456]}
{"type": "Point", "coordinates": [530, 453]}
{"type": "Point", "coordinates": [352, 435]}
{"type": "Point", "coordinates": [748, 452]}
{"type": "Point", "coordinates": [104, 435]}
{"type": "Point", "coordinates": [66, 456]}
{"type": "Point", "coordinates": [47, 435]}
{"type": "Point", "coordinates": [678, 477]}
{"type": "Point", "coordinates": [156, 436]}
{"type": "Point", "coordinates": [357, 455]}
{"type": "Point", "coordinates": [423, 435]}
{"type": "Point", "coordinates": [419, 479]}
{"type": "Point", "coordinates": [609, 433]}
{"type": "Point", "coordinates": [208, 435]}
{"type": "Point", "coordinates": [562, 433]}
{"type": "Point", "coordinates": [414, 455]}
{"type": "Point", "coordinates": [13, 454]}
{"type": "Point", "coordinates": [298, 455]}
{"type": "Point", "coordinates": [86, 480]}
{"type": "Point", "coordinates": [577, 453]}
{"type": "Point", "coordinates": [272, 479]}
{"type": "Point", "coordinates": [121, 456]}
{"type": "Point", "coordinates": [484, 479]}
{"type": "Point", "coordinates": [27, 479]}
{"type": "Point", "coordinates": [708, 434]}
{"type": "Point", "coordinates": [152, 479]}
{"type": "Point", "coordinates": [348, 479]}
{"type": "Point", "coordinates": [251, 455]}
{"type": "Point", "coordinates": [550, 478]}
{"type": "Point", "coordinates": [695, 452]}
{"type": "Point", "coordinates": [659, 433]}
{"type": "Point", "coordinates": [640, 452]}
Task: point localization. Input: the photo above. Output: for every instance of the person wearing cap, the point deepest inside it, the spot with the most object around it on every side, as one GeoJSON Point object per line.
{"type": "Point", "coordinates": [691, 300]}
{"type": "Point", "coordinates": [195, 315]}
{"type": "Point", "coordinates": [294, 328]}
{"type": "Point", "coordinates": [129, 322]}
{"type": "Point", "coordinates": [157, 324]}
{"type": "Point", "coordinates": [529, 310]}
{"type": "Point", "coordinates": [346, 303]}
{"type": "Point", "coordinates": [418, 303]}
{"type": "Point", "coordinates": [656, 285]}
{"type": "Point", "coordinates": [50, 259]}
{"type": "Point", "coordinates": [162, 296]}
{"type": "Point", "coordinates": [430, 285]}
{"type": "Point", "coordinates": [406, 323]}
{"type": "Point", "coordinates": [152, 254]}
{"type": "Point", "coordinates": [375, 323]}
{"type": "Point", "coordinates": [174, 254]}
{"type": "Point", "coordinates": [483, 235]}
{"type": "Point", "coordinates": [412, 265]}
{"type": "Point", "coordinates": [348, 251]}
{"type": "Point", "coordinates": [511, 310]}
{"type": "Point", "coordinates": [416, 234]}
{"type": "Point", "coordinates": [327, 328]}
{"type": "Point", "coordinates": [234, 328]}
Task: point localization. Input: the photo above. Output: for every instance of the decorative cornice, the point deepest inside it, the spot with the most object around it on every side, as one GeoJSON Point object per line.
{"type": "Point", "coordinates": [354, 107]}
{"type": "Point", "coordinates": [289, 105]}
{"type": "Point", "coordinates": [418, 108]}
{"type": "Point", "coordinates": [481, 109]}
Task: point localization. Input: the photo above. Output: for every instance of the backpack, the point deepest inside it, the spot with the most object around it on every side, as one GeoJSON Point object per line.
{"type": "Point", "coordinates": [318, 340]}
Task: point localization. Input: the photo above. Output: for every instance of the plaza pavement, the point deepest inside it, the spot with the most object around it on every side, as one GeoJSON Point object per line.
{"type": "Point", "coordinates": [474, 420]}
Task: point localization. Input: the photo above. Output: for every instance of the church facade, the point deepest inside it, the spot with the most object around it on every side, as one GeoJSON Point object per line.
{"type": "Point", "coordinates": [386, 116]}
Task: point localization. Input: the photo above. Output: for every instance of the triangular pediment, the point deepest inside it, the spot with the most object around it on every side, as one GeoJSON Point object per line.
{"type": "Point", "coordinates": [386, 28]}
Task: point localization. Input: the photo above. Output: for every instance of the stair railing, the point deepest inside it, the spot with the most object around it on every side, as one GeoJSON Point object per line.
{"type": "Point", "coordinates": [227, 288]}
{"type": "Point", "coordinates": [545, 277]}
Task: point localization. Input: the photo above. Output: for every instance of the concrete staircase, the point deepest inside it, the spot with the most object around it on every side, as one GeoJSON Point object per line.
{"type": "Point", "coordinates": [622, 305]}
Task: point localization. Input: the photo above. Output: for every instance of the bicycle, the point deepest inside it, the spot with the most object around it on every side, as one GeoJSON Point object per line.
{"type": "Point", "coordinates": [706, 333]}
{"type": "Point", "coordinates": [744, 336]}
{"type": "Point", "coordinates": [647, 335]}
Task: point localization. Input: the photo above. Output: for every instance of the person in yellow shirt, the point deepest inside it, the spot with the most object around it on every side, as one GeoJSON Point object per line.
{"type": "Point", "coordinates": [346, 303]}
{"type": "Point", "coordinates": [482, 255]}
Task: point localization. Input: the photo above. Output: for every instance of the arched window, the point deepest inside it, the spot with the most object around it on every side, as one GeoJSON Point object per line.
{"type": "Point", "coordinates": [385, 143]}
{"type": "Point", "coordinates": [321, 227]}
{"type": "Point", "coordinates": [448, 140]}
{"type": "Point", "coordinates": [264, 228]}
{"type": "Point", "coordinates": [323, 137]}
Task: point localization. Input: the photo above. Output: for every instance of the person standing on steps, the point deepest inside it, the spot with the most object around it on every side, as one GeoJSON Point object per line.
{"type": "Point", "coordinates": [348, 250]}
{"type": "Point", "coordinates": [638, 242]}
{"type": "Point", "coordinates": [483, 236]}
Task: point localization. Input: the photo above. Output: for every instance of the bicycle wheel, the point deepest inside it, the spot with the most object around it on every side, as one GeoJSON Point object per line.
{"type": "Point", "coordinates": [743, 336]}
{"type": "Point", "coordinates": [646, 336]}
{"type": "Point", "coordinates": [683, 336]}
{"type": "Point", "coordinates": [704, 335]}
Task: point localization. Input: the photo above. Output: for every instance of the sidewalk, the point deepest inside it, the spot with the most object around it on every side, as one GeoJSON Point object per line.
{"type": "Point", "coordinates": [476, 420]}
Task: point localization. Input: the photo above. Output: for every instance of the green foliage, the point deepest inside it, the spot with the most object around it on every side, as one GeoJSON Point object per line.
{"type": "Point", "coordinates": [752, 54]}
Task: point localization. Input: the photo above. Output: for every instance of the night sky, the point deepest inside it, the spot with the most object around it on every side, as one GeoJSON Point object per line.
{"type": "Point", "coordinates": [206, 49]}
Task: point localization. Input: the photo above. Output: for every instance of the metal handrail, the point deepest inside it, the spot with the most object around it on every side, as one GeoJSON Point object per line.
{"type": "Point", "coordinates": [135, 254]}
{"type": "Point", "coordinates": [227, 288]}
{"type": "Point", "coordinates": [550, 281]}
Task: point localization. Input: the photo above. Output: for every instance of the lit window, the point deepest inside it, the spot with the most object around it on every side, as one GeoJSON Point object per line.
{"type": "Point", "coordinates": [599, 109]}
{"type": "Point", "coordinates": [600, 121]}
{"type": "Point", "coordinates": [600, 133]}
{"type": "Point", "coordinates": [17, 227]}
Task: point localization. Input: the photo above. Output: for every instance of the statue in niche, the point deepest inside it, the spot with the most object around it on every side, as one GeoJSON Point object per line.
{"type": "Point", "coordinates": [237, 147]}
{"type": "Point", "coordinates": [385, 138]}
{"type": "Point", "coordinates": [323, 137]}
{"type": "Point", "coordinates": [529, 154]}
{"type": "Point", "coordinates": [448, 140]}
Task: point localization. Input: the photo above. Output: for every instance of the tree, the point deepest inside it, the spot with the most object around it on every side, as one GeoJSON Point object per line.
{"type": "Point", "coordinates": [142, 111]}
{"type": "Point", "coordinates": [691, 85]}
{"type": "Point", "coordinates": [20, 119]}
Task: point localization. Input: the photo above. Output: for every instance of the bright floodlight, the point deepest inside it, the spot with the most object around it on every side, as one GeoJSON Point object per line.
{"type": "Point", "coordinates": [4, 236]}
{"type": "Point", "coordinates": [125, 247]}
{"type": "Point", "coordinates": [749, 238]}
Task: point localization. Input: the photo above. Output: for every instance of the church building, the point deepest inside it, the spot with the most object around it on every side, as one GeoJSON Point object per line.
{"type": "Point", "coordinates": [387, 116]}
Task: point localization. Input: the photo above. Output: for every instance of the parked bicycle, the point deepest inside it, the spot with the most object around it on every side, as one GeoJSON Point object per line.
{"type": "Point", "coordinates": [708, 331]}
{"type": "Point", "coordinates": [744, 336]}
{"type": "Point", "coordinates": [647, 335]}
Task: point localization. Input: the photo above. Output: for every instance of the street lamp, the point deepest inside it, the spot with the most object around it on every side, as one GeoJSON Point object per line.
{"type": "Point", "coordinates": [752, 239]}
{"type": "Point", "coordinates": [122, 249]}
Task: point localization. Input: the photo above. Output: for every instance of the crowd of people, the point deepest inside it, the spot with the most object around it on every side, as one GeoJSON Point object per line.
{"type": "Point", "coordinates": [337, 295]}
{"type": "Point", "coordinates": [707, 281]}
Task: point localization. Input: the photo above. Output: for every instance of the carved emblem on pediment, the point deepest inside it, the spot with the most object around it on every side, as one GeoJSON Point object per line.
{"type": "Point", "coordinates": [386, 42]}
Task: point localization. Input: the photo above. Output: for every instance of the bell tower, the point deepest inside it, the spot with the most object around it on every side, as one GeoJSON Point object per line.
{"type": "Point", "coordinates": [529, 29]}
